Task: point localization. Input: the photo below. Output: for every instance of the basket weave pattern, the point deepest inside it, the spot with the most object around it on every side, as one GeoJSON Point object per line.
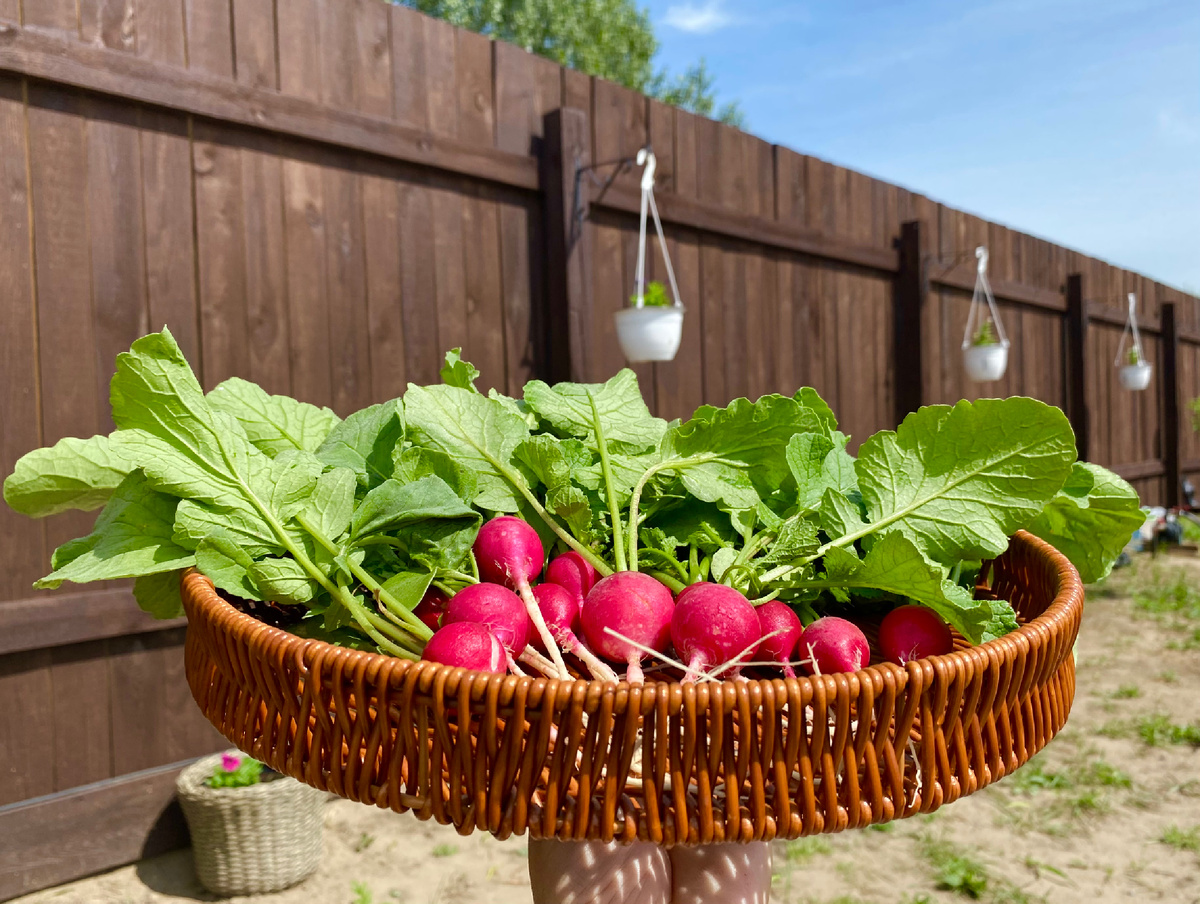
{"type": "Point", "coordinates": [732, 761]}
{"type": "Point", "coordinates": [253, 840]}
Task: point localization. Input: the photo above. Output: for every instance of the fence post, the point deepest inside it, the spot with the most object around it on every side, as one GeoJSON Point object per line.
{"type": "Point", "coordinates": [1170, 401]}
{"type": "Point", "coordinates": [907, 297]}
{"type": "Point", "coordinates": [566, 147]}
{"type": "Point", "coordinates": [1076, 375]}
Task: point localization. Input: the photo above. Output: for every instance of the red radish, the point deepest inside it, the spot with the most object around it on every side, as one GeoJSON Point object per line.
{"type": "Point", "coordinates": [468, 646]}
{"type": "Point", "coordinates": [711, 625]}
{"type": "Point", "coordinates": [914, 632]}
{"type": "Point", "coordinates": [686, 590]}
{"type": "Point", "coordinates": [508, 551]}
{"type": "Point", "coordinates": [633, 605]}
{"type": "Point", "coordinates": [432, 607]}
{"type": "Point", "coordinates": [496, 608]}
{"type": "Point", "coordinates": [574, 572]}
{"type": "Point", "coordinates": [559, 609]}
{"type": "Point", "coordinates": [562, 618]}
{"type": "Point", "coordinates": [834, 645]}
{"type": "Point", "coordinates": [783, 624]}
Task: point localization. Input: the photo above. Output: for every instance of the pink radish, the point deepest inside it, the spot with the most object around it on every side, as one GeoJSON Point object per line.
{"type": "Point", "coordinates": [508, 551]}
{"type": "Point", "coordinates": [574, 572]}
{"type": "Point", "coordinates": [466, 645]}
{"type": "Point", "coordinates": [834, 645]}
{"type": "Point", "coordinates": [783, 624]}
{"type": "Point", "coordinates": [712, 624]}
{"type": "Point", "coordinates": [914, 632]}
{"type": "Point", "coordinates": [561, 613]}
{"type": "Point", "coordinates": [637, 607]}
{"type": "Point", "coordinates": [432, 607]}
{"type": "Point", "coordinates": [496, 608]}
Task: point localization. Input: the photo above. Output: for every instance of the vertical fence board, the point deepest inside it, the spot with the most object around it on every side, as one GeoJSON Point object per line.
{"type": "Point", "coordinates": [52, 15]}
{"type": "Point", "coordinates": [422, 344]}
{"type": "Point", "coordinates": [23, 553]}
{"type": "Point", "coordinates": [81, 711]}
{"type": "Point", "coordinates": [58, 173]}
{"type": "Point", "coordinates": [265, 265]}
{"type": "Point", "coordinates": [309, 311]}
{"type": "Point", "coordinates": [118, 270]}
{"type": "Point", "coordinates": [26, 726]}
{"type": "Point", "coordinates": [108, 24]}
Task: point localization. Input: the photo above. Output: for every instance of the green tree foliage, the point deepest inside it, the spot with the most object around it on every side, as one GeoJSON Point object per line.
{"type": "Point", "coordinates": [609, 38]}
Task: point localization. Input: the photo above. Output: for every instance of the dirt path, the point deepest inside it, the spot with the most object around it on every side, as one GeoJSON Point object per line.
{"type": "Point", "coordinates": [1109, 812]}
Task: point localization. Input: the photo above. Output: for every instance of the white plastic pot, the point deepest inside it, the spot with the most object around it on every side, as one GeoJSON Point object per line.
{"type": "Point", "coordinates": [650, 333]}
{"type": "Point", "coordinates": [1135, 376]}
{"type": "Point", "coordinates": [985, 363]}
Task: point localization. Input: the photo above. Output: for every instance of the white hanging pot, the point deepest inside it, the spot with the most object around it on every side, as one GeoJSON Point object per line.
{"type": "Point", "coordinates": [985, 363]}
{"type": "Point", "coordinates": [650, 334]}
{"type": "Point", "coordinates": [1135, 377]}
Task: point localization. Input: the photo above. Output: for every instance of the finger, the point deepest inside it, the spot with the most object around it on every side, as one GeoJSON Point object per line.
{"type": "Point", "coordinates": [722, 873]}
{"type": "Point", "coordinates": [591, 872]}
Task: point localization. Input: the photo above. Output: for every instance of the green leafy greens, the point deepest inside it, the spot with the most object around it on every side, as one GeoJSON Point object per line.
{"type": "Point", "coordinates": [352, 521]}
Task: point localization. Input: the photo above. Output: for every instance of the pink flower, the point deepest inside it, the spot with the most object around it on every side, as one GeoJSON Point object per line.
{"type": "Point", "coordinates": [230, 762]}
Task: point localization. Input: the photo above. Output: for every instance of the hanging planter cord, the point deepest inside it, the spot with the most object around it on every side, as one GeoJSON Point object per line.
{"type": "Point", "coordinates": [982, 293]}
{"type": "Point", "coordinates": [1130, 327]}
{"type": "Point", "coordinates": [646, 158]}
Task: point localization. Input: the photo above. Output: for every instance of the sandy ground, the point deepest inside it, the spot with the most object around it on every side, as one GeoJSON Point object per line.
{"type": "Point", "coordinates": [1091, 820]}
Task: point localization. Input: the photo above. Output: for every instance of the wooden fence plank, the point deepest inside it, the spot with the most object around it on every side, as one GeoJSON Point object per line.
{"type": "Point", "coordinates": [254, 43]}
{"type": "Point", "coordinates": [103, 825]}
{"type": "Point", "coordinates": [60, 16]}
{"type": "Point", "coordinates": [81, 711]}
{"type": "Point", "coordinates": [265, 264]}
{"type": "Point", "coordinates": [58, 174]}
{"type": "Point", "coordinates": [23, 553]}
{"type": "Point", "coordinates": [118, 270]}
{"type": "Point", "coordinates": [108, 23]}
{"type": "Point", "coordinates": [26, 726]}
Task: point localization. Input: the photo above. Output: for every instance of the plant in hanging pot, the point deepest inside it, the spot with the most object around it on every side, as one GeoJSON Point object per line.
{"type": "Point", "coordinates": [253, 830]}
{"type": "Point", "coordinates": [986, 358]}
{"type": "Point", "coordinates": [984, 346]}
{"type": "Point", "coordinates": [1133, 370]}
{"type": "Point", "coordinates": [1135, 373]}
{"type": "Point", "coordinates": [653, 330]}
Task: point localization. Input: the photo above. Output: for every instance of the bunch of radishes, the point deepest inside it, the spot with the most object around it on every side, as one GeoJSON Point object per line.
{"type": "Point", "coordinates": [628, 616]}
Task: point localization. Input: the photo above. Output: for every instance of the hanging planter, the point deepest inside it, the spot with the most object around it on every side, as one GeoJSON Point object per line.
{"type": "Point", "coordinates": [651, 330]}
{"type": "Point", "coordinates": [1133, 370]}
{"type": "Point", "coordinates": [984, 345]}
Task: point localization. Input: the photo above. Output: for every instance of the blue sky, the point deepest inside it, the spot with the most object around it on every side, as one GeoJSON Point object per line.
{"type": "Point", "coordinates": [1074, 120]}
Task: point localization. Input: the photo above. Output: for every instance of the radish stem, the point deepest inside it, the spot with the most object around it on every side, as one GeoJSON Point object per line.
{"type": "Point", "coordinates": [614, 510]}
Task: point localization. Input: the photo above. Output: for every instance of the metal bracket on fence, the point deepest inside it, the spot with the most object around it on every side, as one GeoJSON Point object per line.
{"type": "Point", "coordinates": [579, 206]}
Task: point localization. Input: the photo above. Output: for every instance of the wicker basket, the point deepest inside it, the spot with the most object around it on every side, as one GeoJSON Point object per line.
{"type": "Point", "coordinates": [735, 761]}
{"type": "Point", "coordinates": [252, 840]}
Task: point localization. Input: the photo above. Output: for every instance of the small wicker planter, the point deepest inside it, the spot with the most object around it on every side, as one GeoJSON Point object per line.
{"type": "Point", "coordinates": [252, 840]}
{"type": "Point", "coordinates": [736, 761]}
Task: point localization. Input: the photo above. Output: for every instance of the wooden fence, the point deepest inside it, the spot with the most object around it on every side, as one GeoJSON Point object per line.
{"type": "Point", "coordinates": [323, 196]}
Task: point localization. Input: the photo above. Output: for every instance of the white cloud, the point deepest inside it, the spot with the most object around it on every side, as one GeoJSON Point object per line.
{"type": "Point", "coordinates": [698, 18]}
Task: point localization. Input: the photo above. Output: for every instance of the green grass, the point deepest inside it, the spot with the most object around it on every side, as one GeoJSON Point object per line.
{"type": "Point", "coordinates": [1154, 730]}
{"type": "Point", "coordinates": [1126, 692]}
{"type": "Point", "coordinates": [1167, 677]}
{"type": "Point", "coordinates": [362, 893]}
{"type": "Point", "coordinates": [1182, 839]}
{"type": "Point", "coordinates": [1080, 788]}
{"type": "Point", "coordinates": [364, 842]}
{"type": "Point", "coordinates": [802, 850]}
{"type": "Point", "coordinates": [445, 850]}
{"type": "Point", "coordinates": [954, 869]}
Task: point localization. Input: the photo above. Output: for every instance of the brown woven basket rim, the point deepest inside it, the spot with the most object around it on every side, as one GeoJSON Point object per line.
{"type": "Point", "coordinates": [1036, 633]}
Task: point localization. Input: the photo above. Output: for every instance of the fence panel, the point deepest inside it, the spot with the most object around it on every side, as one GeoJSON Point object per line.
{"type": "Point", "coordinates": [324, 202]}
